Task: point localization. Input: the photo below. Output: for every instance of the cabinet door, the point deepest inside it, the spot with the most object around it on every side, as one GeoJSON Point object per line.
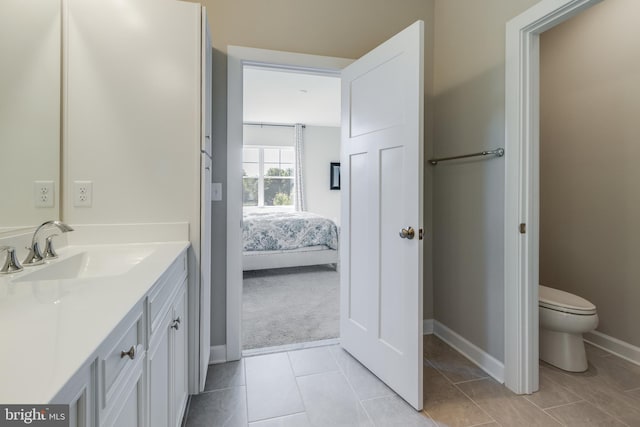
{"type": "Point", "coordinates": [159, 370]}
{"type": "Point", "coordinates": [130, 411]}
{"type": "Point", "coordinates": [79, 394]}
{"type": "Point", "coordinates": [180, 348]}
{"type": "Point", "coordinates": [81, 410]}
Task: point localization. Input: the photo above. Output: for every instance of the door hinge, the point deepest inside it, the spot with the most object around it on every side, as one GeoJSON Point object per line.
{"type": "Point", "coordinates": [523, 228]}
{"type": "Point", "coordinates": [420, 233]}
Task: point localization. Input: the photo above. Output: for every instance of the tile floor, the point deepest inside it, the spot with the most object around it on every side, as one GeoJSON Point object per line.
{"type": "Point", "coordinates": [325, 386]}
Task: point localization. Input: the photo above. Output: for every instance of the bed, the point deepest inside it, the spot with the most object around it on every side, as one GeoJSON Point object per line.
{"type": "Point", "coordinates": [287, 239]}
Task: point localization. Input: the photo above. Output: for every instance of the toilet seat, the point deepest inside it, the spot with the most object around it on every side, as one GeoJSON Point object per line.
{"type": "Point", "coordinates": [555, 299]}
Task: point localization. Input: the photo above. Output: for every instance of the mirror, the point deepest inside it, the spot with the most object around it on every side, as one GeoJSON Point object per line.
{"type": "Point", "coordinates": [30, 82]}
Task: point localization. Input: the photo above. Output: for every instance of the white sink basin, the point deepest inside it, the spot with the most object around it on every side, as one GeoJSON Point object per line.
{"type": "Point", "coordinates": [92, 263]}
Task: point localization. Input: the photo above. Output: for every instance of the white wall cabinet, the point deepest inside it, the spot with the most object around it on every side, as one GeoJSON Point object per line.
{"type": "Point", "coordinates": [138, 375]}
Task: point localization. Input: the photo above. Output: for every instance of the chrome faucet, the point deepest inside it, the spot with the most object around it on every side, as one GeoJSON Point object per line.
{"type": "Point", "coordinates": [35, 256]}
{"type": "Point", "coordinates": [11, 264]}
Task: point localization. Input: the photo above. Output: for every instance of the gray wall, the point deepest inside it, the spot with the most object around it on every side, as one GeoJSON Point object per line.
{"type": "Point", "coordinates": [468, 196]}
{"type": "Point", "coordinates": [590, 203]}
{"type": "Point", "coordinates": [329, 27]}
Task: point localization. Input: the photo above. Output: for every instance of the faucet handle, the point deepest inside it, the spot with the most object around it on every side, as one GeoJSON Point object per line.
{"type": "Point", "coordinates": [35, 255]}
{"type": "Point", "coordinates": [49, 251]}
{"type": "Point", "coordinates": [11, 264]}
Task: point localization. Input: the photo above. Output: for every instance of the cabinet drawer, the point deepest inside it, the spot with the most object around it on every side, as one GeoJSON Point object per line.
{"type": "Point", "coordinates": [124, 352]}
{"type": "Point", "coordinates": [120, 353]}
{"type": "Point", "coordinates": [159, 296]}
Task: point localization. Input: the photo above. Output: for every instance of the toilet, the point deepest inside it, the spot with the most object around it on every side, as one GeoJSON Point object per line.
{"type": "Point", "coordinates": [564, 317]}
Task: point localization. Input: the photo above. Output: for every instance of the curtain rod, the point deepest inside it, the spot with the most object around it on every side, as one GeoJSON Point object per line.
{"type": "Point", "coordinates": [271, 124]}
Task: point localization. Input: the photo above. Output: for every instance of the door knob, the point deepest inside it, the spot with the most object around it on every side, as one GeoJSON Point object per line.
{"type": "Point", "coordinates": [407, 233]}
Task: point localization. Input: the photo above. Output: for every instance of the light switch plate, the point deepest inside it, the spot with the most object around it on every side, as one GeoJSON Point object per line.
{"type": "Point", "coordinates": [216, 191]}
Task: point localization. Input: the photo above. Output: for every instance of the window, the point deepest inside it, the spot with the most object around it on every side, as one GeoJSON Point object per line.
{"type": "Point", "coordinates": [267, 176]}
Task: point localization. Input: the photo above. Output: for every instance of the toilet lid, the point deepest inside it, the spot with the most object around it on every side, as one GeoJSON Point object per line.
{"type": "Point", "coordinates": [556, 299]}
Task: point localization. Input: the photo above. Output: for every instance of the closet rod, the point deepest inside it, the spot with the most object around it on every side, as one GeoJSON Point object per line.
{"type": "Point", "coordinates": [498, 152]}
{"type": "Point", "coordinates": [271, 124]}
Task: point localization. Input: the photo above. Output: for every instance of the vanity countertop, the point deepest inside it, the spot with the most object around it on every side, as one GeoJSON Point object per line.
{"type": "Point", "coordinates": [50, 328]}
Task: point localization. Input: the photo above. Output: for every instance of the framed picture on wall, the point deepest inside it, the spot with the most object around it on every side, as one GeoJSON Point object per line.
{"type": "Point", "coordinates": [334, 174]}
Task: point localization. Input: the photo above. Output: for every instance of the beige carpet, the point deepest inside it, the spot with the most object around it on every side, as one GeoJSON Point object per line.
{"type": "Point", "coordinates": [289, 305]}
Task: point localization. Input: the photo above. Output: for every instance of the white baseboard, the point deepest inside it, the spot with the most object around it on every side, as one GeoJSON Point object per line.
{"type": "Point", "coordinates": [218, 354]}
{"type": "Point", "coordinates": [475, 354]}
{"type": "Point", "coordinates": [427, 326]}
{"type": "Point", "coordinates": [614, 346]}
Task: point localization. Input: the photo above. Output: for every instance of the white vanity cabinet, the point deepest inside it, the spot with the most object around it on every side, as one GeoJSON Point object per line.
{"type": "Point", "coordinates": [138, 375]}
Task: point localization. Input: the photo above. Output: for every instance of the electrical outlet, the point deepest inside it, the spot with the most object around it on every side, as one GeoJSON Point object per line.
{"type": "Point", "coordinates": [82, 193]}
{"type": "Point", "coordinates": [43, 194]}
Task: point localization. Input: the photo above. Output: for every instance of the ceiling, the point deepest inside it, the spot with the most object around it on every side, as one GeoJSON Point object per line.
{"type": "Point", "coordinates": [278, 96]}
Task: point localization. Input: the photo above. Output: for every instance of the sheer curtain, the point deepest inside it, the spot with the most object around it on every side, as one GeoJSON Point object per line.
{"type": "Point", "coordinates": [299, 183]}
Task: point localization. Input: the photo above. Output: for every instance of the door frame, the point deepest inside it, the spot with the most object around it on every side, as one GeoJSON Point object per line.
{"type": "Point", "coordinates": [522, 191]}
{"type": "Point", "coordinates": [237, 58]}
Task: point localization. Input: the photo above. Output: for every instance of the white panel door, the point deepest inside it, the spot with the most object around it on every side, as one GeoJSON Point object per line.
{"type": "Point", "coordinates": [382, 191]}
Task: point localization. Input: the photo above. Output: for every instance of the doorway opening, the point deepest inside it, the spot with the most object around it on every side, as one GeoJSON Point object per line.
{"type": "Point", "coordinates": [291, 215]}
{"type": "Point", "coordinates": [522, 187]}
{"type": "Point", "coordinates": [240, 58]}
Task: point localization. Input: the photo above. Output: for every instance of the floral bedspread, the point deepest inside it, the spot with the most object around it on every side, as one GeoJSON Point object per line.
{"type": "Point", "coordinates": [270, 231]}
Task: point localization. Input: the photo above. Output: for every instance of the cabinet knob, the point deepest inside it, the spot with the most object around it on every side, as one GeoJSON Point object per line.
{"type": "Point", "coordinates": [407, 233]}
{"type": "Point", "coordinates": [131, 353]}
{"type": "Point", "coordinates": [176, 324]}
